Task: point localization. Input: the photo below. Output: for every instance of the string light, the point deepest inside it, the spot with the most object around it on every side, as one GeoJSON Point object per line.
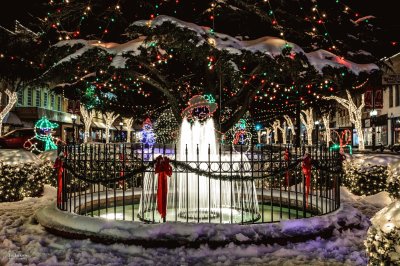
{"type": "Point", "coordinates": [109, 118]}
{"type": "Point", "coordinates": [355, 114]}
{"type": "Point", "coordinates": [87, 121]}
{"type": "Point", "coordinates": [12, 99]}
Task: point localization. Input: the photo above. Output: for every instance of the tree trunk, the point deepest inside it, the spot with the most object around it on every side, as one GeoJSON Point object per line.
{"type": "Point", "coordinates": [326, 120]}
{"type": "Point", "coordinates": [309, 135]}
{"type": "Point", "coordinates": [360, 133]}
{"type": "Point", "coordinates": [12, 99]}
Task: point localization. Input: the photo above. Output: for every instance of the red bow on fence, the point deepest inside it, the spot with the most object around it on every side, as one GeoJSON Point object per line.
{"type": "Point", "coordinates": [306, 168]}
{"type": "Point", "coordinates": [58, 165]}
{"type": "Point", "coordinates": [163, 169]}
{"type": "Point", "coordinates": [287, 156]}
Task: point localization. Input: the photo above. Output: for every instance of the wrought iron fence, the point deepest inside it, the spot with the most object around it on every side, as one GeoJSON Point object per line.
{"type": "Point", "coordinates": [263, 183]}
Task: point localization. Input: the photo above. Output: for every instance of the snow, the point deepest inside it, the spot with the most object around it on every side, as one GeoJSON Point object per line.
{"type": "Point", "coordinates": [388, 218]}
{"type": "Point", "coordinates": [322, 58]}
{"type": "Point", "coordinates": [115, 49]}
{"type": "Point", "coordinates": [24, 241]}
{"type": "Point", "coordinates": [271, 46]}
{"type": "Point", "coordinates": [366, 160]}
{"type": "Point", "coordinates": [14, 156]}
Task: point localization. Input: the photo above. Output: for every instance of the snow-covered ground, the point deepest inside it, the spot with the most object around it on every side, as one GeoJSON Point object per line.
{"type": "Point", "coordinates": [23, 241]}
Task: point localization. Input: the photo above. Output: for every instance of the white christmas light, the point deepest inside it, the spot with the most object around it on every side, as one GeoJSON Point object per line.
{"type": "Point", "coordinates": [87, 120]}
{"type": "Point", "coordinates": [355, 114]}
{"type": "Point", "coordinates": [12, 99]}
{"type": "Point", "coordinates": [308, 121]}
{"type": "Point", "coordinates": [109, 118]}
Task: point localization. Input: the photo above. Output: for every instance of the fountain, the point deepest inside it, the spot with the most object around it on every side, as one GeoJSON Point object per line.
{"type": "Point", "coordinates": [196, 197]}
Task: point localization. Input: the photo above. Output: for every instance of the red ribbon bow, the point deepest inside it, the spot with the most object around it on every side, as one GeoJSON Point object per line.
{"type": "Point", "coordinates": [58, 164]}
{"type": "Point", "coordinates": [306, 168]}
{"type": "Point", "coordinates": [287, 156]}
{"type": "Point", "coordinates": [163, 169]}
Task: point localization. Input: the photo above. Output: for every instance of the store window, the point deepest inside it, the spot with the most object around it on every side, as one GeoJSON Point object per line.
{"type": "Point", "coordinates": [37, 98]}
{"type": "Point", "coordinates": [45, 99]}
{"type": "Point", "coordinates": [30, 97]}
{"type": "Point", "coordinates": [59, 103]}
{"type": "Point", "coordinates": [52, 102]}
{"type": "Point", "coordinates": [20, 97]}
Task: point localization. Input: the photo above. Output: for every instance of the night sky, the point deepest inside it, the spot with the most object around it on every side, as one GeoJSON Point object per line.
{"type": "Point", "coordinates": [385, 11]}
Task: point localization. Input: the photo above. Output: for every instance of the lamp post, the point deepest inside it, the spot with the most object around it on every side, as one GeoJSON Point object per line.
{"type": "Point", "coordinates": [120, 130]}
{"type": "Point", "coordinates": [73, 117]}
{"type": "Point", "coordinates": [373, 114]}
{"type": "Point", "coordinates": [316, 123]}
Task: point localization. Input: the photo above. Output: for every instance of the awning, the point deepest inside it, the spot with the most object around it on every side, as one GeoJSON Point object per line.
{"type": "Point", "coordinates": [12, 119]}
{"type": "Point", "coordinates": [99, 125]}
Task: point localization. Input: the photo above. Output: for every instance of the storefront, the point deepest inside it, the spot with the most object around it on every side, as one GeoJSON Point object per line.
{"type": "Point", "coordinates": [381, 130]}
{"type": "Point", "coordinates": [395, 122]}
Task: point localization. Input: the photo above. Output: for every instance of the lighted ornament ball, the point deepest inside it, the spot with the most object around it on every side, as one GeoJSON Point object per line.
{"type": "Point", "coordinates": [200, 107]}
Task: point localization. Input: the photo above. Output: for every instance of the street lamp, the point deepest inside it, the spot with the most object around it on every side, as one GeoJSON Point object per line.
{"type": "Point", "coordinates": [317, 131]}
{"type": "Point", "coordinates": [120, 130]}
{"type": "Point", "coordinates": [373, 115]}
{"type": "Point", "coordinates": [73, 117]}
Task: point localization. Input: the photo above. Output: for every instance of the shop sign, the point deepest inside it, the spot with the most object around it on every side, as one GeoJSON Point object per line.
{"type": "Point", "coordinates": [377, 98]}
{"type": "Point", "coordinates": [390, 79]}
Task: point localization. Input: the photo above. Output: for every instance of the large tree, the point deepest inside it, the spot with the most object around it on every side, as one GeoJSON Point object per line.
{"type": "Point", "coordinates": [162, 62]}
{"type": "Point", "coordinates": [20, 62]}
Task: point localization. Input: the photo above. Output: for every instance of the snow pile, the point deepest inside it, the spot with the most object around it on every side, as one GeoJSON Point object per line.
{"type": "Point", "coordinates": [375, 159]}
{"type": "Point", "coordinates": [23, 241]}
{"type": "Point", "coordinates": [383, 241]}
{"type": "Point", "coordinates": [50, 155]}
{"type": "Point", "coordinates": [14, 157]}
{"type": "Point", "coordinates": [187, 233]}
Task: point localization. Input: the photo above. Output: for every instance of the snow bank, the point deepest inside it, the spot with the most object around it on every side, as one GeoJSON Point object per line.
{"type": "Point", "coordinates": [176, 233]}
{"type": "Point", "coordinates": [24, 242]}
{"type": "Point", "coordinates": [14, 157]}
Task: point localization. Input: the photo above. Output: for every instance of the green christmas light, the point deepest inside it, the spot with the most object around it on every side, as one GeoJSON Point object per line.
{"type": "Point", "coordinates": [42, 129]}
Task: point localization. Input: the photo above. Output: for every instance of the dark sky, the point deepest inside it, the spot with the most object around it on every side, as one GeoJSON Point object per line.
{"type": "Point", "coordinates": [386, 12]}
